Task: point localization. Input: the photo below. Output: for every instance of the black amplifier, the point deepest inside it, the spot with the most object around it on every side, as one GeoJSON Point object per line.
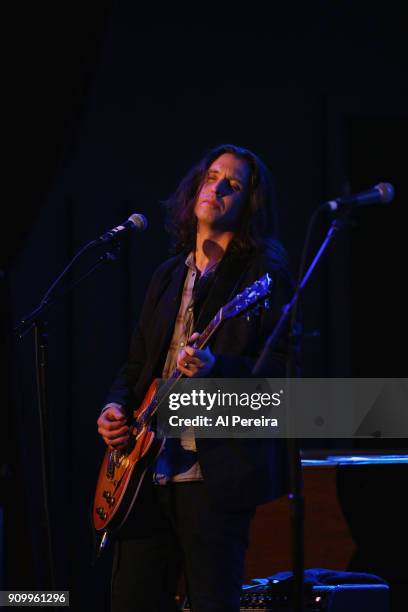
{"type": "Point", "coordinates": [328, 598]}
{"type": "Point", "coordinates": [338, 598]}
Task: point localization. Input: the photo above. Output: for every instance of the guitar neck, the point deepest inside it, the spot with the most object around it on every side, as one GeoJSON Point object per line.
{"type": "Point", "coordinates": [209, 330]}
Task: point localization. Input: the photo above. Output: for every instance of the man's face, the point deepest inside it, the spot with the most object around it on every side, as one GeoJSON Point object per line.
{"type": "Point", "coordinates": [223, 193]}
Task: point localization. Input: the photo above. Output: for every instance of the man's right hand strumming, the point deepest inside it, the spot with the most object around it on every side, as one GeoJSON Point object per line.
{"type": "Point", "coordinates": [112, 425]}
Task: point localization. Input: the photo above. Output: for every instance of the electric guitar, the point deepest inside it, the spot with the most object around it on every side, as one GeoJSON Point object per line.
{"type": "Point", "coordinates": [122, 471]}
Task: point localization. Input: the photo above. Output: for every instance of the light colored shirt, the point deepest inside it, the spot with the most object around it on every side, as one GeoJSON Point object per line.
{"type": "Point", "coordinates": [183, 328]}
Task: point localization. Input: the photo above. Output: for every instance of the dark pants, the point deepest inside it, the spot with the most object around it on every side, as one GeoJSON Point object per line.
{"type": "Point", "coordinates": [175, 527]}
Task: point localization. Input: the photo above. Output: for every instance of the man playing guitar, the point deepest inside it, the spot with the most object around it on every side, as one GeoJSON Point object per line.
{"type": "Point", "coordinates": [198, 498]}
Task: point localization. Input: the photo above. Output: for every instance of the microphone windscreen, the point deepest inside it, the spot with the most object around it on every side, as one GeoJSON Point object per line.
{"type": "Point", "coordinates": [387, 192]}
{"type": "Point", "coordinates": [139, 221]}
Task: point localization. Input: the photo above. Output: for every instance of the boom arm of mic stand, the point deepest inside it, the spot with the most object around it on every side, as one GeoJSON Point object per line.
{"type": "Point", "coordinates": [27, 322]}
{"type": "Point", "coordinates": [287, 309]}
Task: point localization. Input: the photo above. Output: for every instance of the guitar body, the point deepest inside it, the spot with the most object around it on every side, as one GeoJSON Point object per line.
{"type": "Point", "coordinates": [122, 472]}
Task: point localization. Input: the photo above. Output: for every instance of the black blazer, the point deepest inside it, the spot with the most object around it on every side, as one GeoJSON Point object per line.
{"type": "Point", "coordinates": [238, 472]}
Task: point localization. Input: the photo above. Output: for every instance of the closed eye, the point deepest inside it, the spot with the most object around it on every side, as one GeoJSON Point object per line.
{"type": "Point", "coordinates": [213, 176]}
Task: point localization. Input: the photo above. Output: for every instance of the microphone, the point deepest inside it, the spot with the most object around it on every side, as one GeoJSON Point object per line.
{"type": "Point", "coordinates": [379, 194]}
{"type": "Point", "coordinates": [135, 222]}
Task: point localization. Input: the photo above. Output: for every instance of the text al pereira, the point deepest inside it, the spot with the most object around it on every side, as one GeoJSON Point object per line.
{"type": "Point", "coordinates": [222, 421]}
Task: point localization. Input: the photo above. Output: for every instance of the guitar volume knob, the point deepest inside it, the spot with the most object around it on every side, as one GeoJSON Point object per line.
{"type": "Point", "coordinates": [101, 513]}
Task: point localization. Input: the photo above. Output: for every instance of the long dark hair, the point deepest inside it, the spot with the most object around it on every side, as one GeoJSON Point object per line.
{"type": "Point", "coordinates": [257, 225]}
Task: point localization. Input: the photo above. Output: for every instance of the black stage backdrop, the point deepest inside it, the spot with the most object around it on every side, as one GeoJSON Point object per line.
{"type": "Point", "coordinates": [113, 105]}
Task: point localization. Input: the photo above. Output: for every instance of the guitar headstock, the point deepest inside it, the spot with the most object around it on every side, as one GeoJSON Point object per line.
{"type": "Point", "coordinates": [251, 298]}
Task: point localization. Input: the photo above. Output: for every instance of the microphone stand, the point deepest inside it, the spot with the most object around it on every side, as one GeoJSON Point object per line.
{"type": "Point", "coordinates": [295, 468]}
{"type": "Point", "coordinates": [36, 320]}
